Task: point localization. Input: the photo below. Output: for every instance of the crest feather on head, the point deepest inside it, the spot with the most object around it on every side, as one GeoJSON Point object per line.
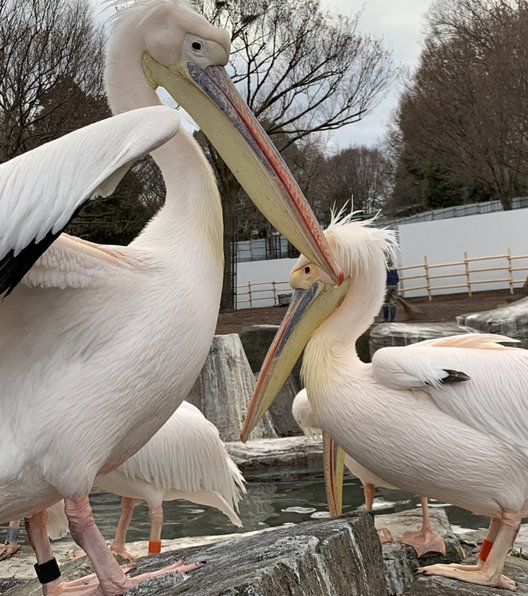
{"type": "Point", "coordinates": [356, 244]}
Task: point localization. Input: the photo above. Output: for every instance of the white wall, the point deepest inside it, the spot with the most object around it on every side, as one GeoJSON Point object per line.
{"type": "Point", "coordinates": [480, 235]}
{"type": "Point", "coordinates": [277, 270]}
{"type": "Point", "coordinates": [441, 241]}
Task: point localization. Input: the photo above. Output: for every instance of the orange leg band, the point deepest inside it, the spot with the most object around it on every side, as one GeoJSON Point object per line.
{"type": "Point", "coordinates": [154, 547]}
{"type": "Point", "coordinates": [485, 549]}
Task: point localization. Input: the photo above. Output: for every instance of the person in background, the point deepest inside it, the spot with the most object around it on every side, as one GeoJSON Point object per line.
{"type": "Point", "coordinates": [391, 293]}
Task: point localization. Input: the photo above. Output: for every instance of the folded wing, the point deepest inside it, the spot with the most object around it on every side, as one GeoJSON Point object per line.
{"type": "Point", "coordinates": [472, 378]}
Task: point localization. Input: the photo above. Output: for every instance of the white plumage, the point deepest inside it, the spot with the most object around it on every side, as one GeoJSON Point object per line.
{"type": "Point", "coordinates": [305, 418]}
{"type": "Point", "coordinates": [423, 541]}
{"type": "Point", "coordinates": [101, 343]}
{"type": "Point", "coordinates": [185, 459]}
{"type": "Point", "coordinates": [444, 418]}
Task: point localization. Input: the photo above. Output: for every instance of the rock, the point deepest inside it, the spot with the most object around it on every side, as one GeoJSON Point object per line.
{"type": "Point", "coordinates": [223, 389]}
{"type": "Point", "coordinates": [70, 571]}
{"type": "Point", "coordinates": [400, 560]}
{"type": "Point", "coordinates": [281, 410]}
{"type": "Point", "coordinates": [338, 557]}
{"type": "Point", "coordinates": [256, 340]}
{"type": "Point", "coordinates": [510, 320]}
{"type": "Point", "coordinates": [297, 452]}
{"type": "Point", "coordinates": [516, 569]}
{"type": "Point", "coordinates": [404, 334]}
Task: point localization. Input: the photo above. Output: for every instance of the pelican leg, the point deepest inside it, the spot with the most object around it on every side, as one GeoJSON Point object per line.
{"type": "Point", "coordinates": [369, 489]}
{"type": "Point", "coordinates": [156, 526]}
{"type": "Point", "coordinates": [37, 531]}
{"type": "Point", "coordinates": [424, 540]}
{"type": "Point", "coordinates": [119, 542]}
{"type": "Point", "coordinates": [11, 546]}
{"type": "Point", "coordinates": [112, 578]}
{"type": "Point", "coordinates": [485, 547]}
{"type": "Point", "coordinates": [490, 572]}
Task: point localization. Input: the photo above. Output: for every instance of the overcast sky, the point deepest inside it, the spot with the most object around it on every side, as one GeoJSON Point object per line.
{"type": "Point", "coordinates": [400, 24]}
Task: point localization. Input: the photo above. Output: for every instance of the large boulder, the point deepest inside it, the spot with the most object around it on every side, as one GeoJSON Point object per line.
{"type": "Point", "coordinates": [510, 320]}
{"type": "Point", "coordinates": [223, 389]}
{"type": "Point", "coordinates": [256, 340]}
{"type": "Point", "coordinates": [340, 557]}
{"type": "Point", "coordinates": [296, 453]}
{"type": "Point", "coordinates": [400, 560]}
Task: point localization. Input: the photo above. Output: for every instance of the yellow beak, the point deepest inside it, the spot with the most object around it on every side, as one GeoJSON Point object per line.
{"type": "Point", "coordinates": [334, 467]}
{"type": "Point", "coordinates": [210, 97]}
{"type": "Point", "coordinates": [307, 310]}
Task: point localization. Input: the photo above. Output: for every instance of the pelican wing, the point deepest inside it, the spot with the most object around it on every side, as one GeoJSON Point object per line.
{"type": "Point", "coordinates": [74, 263]}
{"type": "Point", "coordinates": [187, 455]}
{"type": "Point", "coordinates": [472, 378]}
{"type": "Point", "coordinates": [43, 189]}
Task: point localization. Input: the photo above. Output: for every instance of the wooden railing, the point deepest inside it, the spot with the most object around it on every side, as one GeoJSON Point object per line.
{"type": "Point", "coordinates": [464, 269]}
{"type": "Point", "coordinates": [276, 293]}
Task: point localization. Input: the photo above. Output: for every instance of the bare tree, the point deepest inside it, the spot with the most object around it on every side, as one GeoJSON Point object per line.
{"type": "Point", "coordinates": [302, 71]}
{"type": "Point", "coordinates": [464, 118]}
{"type": "Point", "coordinates": [357, 176]}
{"type": "Point", "coordinates": [50, 62]}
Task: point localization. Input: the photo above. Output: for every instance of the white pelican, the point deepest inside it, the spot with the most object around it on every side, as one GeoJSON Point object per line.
{"type": "Point", "coordinates": [100, 344]}
{"type": "Point", "coordinates": [443, 418]}
{"type": "Point", "coordinates": [424, 541]}
{"type": "Point", "coordinates": [185, 459]}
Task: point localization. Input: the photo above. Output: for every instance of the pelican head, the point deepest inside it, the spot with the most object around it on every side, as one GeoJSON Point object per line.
{"type": "Point", "coordinates": [186, 55]}
{"type": "Point", "coordinates": [321, 307]}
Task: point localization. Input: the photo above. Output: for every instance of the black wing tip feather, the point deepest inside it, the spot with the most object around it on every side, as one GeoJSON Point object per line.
{"type": "Point", "coordinates": [13, 269]}
{"type": "Point", "coordinates": [454, 376]}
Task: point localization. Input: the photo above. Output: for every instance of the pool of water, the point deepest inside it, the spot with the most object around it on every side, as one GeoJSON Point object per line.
{"type": "Point", "coordinates": [275, 498]}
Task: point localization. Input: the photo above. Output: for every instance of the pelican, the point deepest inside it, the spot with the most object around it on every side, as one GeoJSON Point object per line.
{"type": "Point", "coordinates": [423, 541]}
{"type": "Point", "coordinates": [185, 459]}
{"type": "Point", "coordinates": [99, 344]}
{"type": "Point", "coordinates": [444, 418]}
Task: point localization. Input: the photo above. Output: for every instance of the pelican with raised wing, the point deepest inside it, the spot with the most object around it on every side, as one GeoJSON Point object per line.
{"type": "Point", "coordinates": [442, 418]}
{"type": "Point", "coordinates": [100, 344]}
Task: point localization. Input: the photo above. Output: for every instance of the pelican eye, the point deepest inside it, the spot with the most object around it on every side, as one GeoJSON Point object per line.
{"type": "Point", "coordinates": [196, 46]}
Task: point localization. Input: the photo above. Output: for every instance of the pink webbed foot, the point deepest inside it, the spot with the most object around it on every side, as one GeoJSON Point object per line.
{"type": "Point", "coordinates": [424, 541]}
{"type": "Point", "coordinates": [90, 586]}
{"type": "Point", "coordinates": [384, 535]}
{"type": "Point", "coordinates": [8, 549]}
{"type": "Point", "coordinates": [471, 574]}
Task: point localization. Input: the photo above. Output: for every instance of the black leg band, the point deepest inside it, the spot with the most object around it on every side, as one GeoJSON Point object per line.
{"type": "Point", "coordinates": [48, 571]}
